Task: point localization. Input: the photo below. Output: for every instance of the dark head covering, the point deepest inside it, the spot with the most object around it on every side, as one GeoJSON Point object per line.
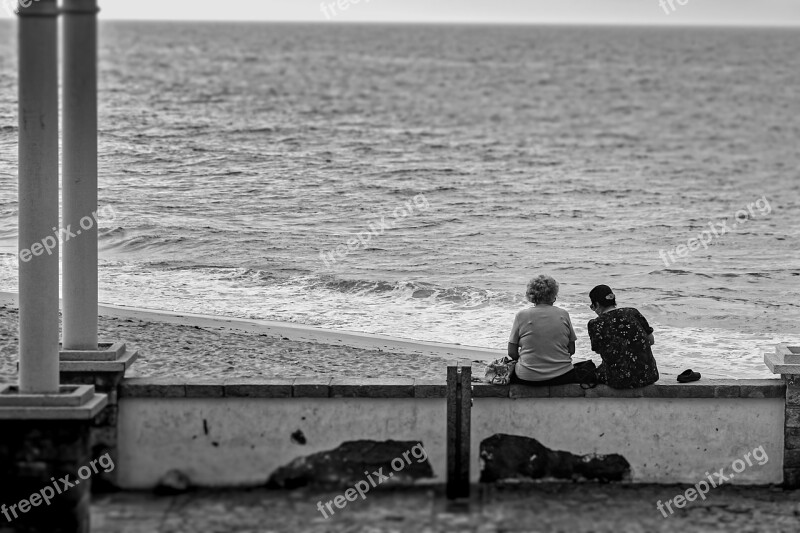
{"type": "Point", "coordinates": [603, 296]}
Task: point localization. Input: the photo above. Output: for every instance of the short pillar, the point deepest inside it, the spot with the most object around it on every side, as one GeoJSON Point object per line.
{"type": "Point", "coordinates": [79, 181]}
{"type": "Point", "coordinates": [459, 410]}
{"type": "Point", "coordinates": [38, 197]}
{"type": "Point", "coordinates": [45, 459]}
{"type": "Point", "coordinates": [786, 362]}
{"type": "Point", "coordinates": [791, 433]}
{"type": "Point", "coordinates": [104, 369]}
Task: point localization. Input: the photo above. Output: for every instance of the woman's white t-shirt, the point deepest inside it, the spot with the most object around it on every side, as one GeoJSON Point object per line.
{"type": "Point", "coordinates": [543, 333]}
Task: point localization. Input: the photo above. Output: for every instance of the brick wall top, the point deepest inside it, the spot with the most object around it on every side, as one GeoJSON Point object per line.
{"type": "Point", "coordinates": [321, 387]}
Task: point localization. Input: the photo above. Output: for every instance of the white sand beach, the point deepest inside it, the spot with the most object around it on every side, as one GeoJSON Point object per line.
{"type": "Point", "coordinates": [197, 346]}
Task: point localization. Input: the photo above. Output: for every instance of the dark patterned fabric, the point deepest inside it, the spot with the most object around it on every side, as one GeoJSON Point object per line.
{"type": "Point", "coordinates": [620, 337]}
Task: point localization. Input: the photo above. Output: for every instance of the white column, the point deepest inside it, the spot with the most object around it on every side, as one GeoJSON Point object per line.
{"type": "Point", "coordinates": [79, 180]}
{"type": "Point", "coordinates": [38, 197]}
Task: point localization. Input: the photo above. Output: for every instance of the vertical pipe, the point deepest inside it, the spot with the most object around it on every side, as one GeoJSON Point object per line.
{"type": "Point", "coordinates": [79, 180]}
{"type": "Point", "coordinates": [38, 197]}
{"type": "Point", "coordinates": [459, 409]}
{"type": "Point", "coordinates": [465, 430]}
{"type": "Point", "coordinates": [452, 432]}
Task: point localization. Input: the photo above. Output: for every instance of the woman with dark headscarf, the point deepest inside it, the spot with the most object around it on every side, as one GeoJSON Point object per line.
{"type": "Point", "coordinates": [623, 338]}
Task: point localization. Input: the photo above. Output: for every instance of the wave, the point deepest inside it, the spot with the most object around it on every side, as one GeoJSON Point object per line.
{"type": "Point", "coordinates": [462, 296]}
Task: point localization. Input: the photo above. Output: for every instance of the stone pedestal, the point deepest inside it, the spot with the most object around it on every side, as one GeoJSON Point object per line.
{"type": "Point", "coordinates": [45, 459]}
{"type": "Point", "coordinates": [786, 362]}
{"type": "Point", "coordinates": [104, 368]}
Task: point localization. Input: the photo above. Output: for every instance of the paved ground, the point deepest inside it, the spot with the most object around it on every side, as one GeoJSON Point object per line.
{"type": "Point", "coordinates": [568, 508]}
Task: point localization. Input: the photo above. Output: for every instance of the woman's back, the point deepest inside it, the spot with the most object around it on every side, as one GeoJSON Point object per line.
{"type": "Point", "coordinates": [543, 334]}
{"type": "Point", "coordinates": [620, 336]}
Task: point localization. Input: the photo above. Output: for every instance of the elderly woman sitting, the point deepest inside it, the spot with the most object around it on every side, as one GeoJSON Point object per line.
{"type": "Point", "coordinates": [622, 337]}
{"type": "Point", "coordinates": [542, 338]}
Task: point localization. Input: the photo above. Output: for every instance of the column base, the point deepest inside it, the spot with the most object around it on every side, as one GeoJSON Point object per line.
{"type": "Point", "coordinates": [45, 442]}
{"type": "Point", "coordinates": [786, 362]}
{"type": "Point", "coordinates": [105, 369]}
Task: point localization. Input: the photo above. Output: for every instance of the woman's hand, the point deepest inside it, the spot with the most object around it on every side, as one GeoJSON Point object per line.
{"type": "Point", "coordinates": [651, 340]}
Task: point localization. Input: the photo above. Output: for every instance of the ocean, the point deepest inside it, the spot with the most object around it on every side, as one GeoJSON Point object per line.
{"type": "Point", "coordinates": [241, 162]}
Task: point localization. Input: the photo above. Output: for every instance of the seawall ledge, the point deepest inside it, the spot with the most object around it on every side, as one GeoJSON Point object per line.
{"type": "Point", "coordinates": [327, 387]}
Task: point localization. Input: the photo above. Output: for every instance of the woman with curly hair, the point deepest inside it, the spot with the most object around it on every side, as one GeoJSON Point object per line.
{"type": "Point", "coordinates": [542, 338]}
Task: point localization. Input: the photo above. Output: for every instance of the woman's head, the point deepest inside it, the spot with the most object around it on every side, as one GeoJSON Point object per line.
{"type": "Point", "coordinates": [602, 296]}
{"type": "Point", "coordinates": [542, 290]}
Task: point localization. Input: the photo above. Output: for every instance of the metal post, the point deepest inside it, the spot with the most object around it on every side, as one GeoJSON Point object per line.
{"type": "Point", "coordinates": [38, 197]}
{"type": "Point", "coordinates": [459, 405]}
{"type": "Point", "coordinates": [79, 181]}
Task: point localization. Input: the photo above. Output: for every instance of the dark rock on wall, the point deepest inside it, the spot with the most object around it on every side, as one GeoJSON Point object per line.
{"type": "Point", "coordinates": [355, 461]}
{"type": "Point", "coordinates": [505, 457]}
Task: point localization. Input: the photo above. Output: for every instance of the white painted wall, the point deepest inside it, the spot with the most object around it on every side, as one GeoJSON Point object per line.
{"type": "Point", "coordinates": [665, 440]}
{"type": "Point", "coordinates": [253, 434]}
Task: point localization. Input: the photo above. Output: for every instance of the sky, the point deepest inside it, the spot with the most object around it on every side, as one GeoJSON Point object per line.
{"type": "Point", "coordinates": [692, 12]}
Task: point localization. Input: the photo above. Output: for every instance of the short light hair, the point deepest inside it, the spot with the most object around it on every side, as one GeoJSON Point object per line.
{"type": "Point", "coordinates": [542, 289]}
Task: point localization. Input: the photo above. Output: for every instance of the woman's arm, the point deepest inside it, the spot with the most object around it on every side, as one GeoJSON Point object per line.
{"type": "Point", "coordinates": [647, 328]}
{"type": "Point", "coordinates": [572, 336]}
{"type": "Point", "coordinates": [513, 351]}
{"type": "Point", "coordinates": [593, 335]}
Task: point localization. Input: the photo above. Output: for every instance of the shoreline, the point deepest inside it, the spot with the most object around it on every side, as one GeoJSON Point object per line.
{"type": "Point", "coordinates": [290, 331]}
{"type": "Point", "coordinates": [201, 346]}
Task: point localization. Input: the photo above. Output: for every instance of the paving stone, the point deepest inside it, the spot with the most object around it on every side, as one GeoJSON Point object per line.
{"type": "Point", "coordinates": [200, 389]}
{"type": "Point", "coordinates": [258, 388]}
{"type": "Point", "coordinates": [792, 417]}
{"type": "Point", "coordinates": [791, 438]}
{"type": "Point", "coordinates": [762, 388]}
{"type": "Point", "coordinates": [604, 391]}
{"type": "Point", "coordinates": [793, 395]}
{"type": "Point", "coordinates": [153, 388]}
{"type": "Point", "coordinates": [430, 388]}
{"type": "Point", "coordinates": [526, 391]}
{"type": "Point", "coordinates": [791, 478]}
{"type": "Point", "coordinates": [372, 388]}
{"type": "Point", "coordinates": [681, 390]}
{"type": "Point", "coordinates": [316, 387]}
{"type": "Point", "coordinates": [791, 459]}
{"type": "Point", "coordinates": [572, 390]}
{"type": "Point", "coordinates": [487, 390]}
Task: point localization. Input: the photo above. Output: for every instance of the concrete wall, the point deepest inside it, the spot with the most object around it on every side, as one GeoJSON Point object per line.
{"type": "Point", "coordinates": [666, 440]}
{"type": "Point", "coordinates": [222, 434]}
{"type": "Point", "coordinates": [249, 438]}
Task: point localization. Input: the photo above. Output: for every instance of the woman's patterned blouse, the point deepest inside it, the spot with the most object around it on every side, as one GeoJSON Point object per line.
{"type": "Point", "coordinates": [620, 337]}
